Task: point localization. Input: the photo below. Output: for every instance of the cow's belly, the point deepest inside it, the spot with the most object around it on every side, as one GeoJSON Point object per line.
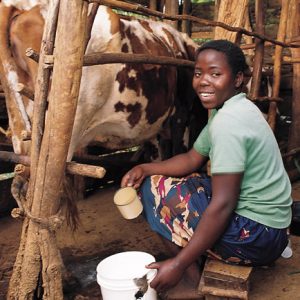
{"type": "Point", "coordinates": [112, 130]}
{"type": "Point", "coordinates": [117, 115]}
{"type": "Point", "coordinates": [115, 133]}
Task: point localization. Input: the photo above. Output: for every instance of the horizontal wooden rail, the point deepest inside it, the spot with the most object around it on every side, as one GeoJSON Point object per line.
{"type": "Point", "coordinates": [71, 167]}
{"type": "Point", "coordinates": [98, 58]}
{"type": "Point", "coordinates": [138, 8]}
{"type": "Point", "coordinates": [105, 58]}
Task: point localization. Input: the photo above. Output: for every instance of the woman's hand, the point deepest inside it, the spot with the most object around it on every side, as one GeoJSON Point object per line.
{"type": "Point", "coordinates": [169, 272]}
{"type": "Point", "coordinates": [134, 177]}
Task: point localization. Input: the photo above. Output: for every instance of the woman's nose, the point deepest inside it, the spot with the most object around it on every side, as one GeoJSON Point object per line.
{"type": "Point", "coordinates": [203, 80]}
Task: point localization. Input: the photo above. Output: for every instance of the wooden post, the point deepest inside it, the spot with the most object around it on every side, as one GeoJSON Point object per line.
{"type": "Point", "coordinates": [186, 10]}
{"type": "Point", "coordinates": [171, 8]}
{"type": "Point", "coordinates": [42, 89]}
{"type": "Point", "coordinates": [90, 22]}
{"type": "Point", "coordinates": [293, 32]}
{"type": "Point", "coordinates": [277, 62]}
{"type": "Point", "coordinates": [259, 50]}
{"type": "Point", "coordinates": [231, 12]}
{"type": "Point", "coordinates": [38, 247]}
{"type": "Point", "coordinates": [153, 4]}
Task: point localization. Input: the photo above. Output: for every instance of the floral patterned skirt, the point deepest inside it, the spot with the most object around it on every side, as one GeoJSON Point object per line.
{"type": "Point", "coordinates": [174, 206]}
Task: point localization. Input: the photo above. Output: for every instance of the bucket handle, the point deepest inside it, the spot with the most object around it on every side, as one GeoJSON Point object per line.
{"type": "Point", "coordinates": [142, 284]}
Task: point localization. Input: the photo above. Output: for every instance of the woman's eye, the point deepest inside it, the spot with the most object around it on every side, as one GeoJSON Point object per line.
{"type": "Point", "coordinates": [215, 74]}
{"type": "Point", "coordinates": [197, 74]}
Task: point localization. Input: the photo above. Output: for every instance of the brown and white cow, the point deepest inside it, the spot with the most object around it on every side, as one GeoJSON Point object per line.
{"type": "Point", "coordinates": [119, 105]}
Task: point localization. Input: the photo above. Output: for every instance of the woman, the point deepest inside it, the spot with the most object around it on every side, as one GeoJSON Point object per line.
{"type": "Point", "coordinates": [240, 215]}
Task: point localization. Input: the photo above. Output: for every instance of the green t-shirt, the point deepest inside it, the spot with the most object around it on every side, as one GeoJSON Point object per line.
{"type": "Point", "coordinates": [238, 139]}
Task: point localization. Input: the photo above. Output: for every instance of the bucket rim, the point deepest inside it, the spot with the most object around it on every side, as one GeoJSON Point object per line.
{"type": "Point", "coordinates": [149, 258]}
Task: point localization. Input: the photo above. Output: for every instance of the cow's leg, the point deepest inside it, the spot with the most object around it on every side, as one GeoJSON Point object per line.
{"type": "Point", "coordinates": [26, 32]}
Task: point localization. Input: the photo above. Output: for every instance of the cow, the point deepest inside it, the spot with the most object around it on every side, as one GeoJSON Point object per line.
{"type": "Point", "coordinates": [119, 105]}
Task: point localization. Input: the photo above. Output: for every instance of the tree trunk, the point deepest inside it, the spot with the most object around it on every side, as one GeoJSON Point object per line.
{"type": "Point", "coordinates": [38, 255]}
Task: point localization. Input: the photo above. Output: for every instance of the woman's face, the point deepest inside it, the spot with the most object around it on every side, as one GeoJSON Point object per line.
{"type": "Point", "coordinates": [213, 80]}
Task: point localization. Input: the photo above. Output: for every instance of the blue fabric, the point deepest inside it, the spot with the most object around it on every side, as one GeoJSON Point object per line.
{"type": "Point", "coordinates": [174, 206]}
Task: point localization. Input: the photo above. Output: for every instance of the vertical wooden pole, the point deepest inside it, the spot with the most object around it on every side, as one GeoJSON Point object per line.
{"type": "Point", "coordinates": [61, 112]}
{"type": "Point", "coordinates": [186, 10]}
{"type": "Point", "coordinates": [294, 31]}
{"type": "Point", "coordinates": [277, 62]}
{"type": "Point", "coordinates": [231, 12]}
{"type": "Point", "coordinates": [40, 253]}
{"type": "Point", "coordinates": [90, 22]}
{"type": "Point", "coordinates": [41, 90]}
{"type": "Point", "coordinates": [259, 50]}
{"type": "Point", "coordinates": [248, 25]}
{"type": "Point", "coordinates": [27, 260]}
{"type": "Point", "coordinates": [171, 8]}
{"type": "Point", "coordinates": [153, 4]}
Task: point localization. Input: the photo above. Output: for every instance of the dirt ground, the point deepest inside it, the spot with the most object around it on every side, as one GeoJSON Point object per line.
{"type": "Point", "coordinates": [104, 232]}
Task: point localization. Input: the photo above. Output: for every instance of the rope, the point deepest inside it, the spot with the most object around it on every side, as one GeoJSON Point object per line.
{"type": "Point", "coordinates": [6, 176]}
{"type": "Point", "coordinates": [18, 190]}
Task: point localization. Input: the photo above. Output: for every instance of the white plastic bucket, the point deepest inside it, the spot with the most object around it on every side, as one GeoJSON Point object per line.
{"type": "Point", "coordinates": [117, 276]}
{"type": "Point", "coordinates": [128, 202]}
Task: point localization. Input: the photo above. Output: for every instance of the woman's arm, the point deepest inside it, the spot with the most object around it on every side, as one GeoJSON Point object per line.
{"type": "Point", "coordinates": [226, 189]}
{"type": "Point", "coordinates": [176, 166]}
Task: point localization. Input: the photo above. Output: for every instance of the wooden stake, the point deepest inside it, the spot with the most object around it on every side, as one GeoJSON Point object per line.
{"type": "Point", "coordinates": [235, 18]}
{"type": "Point", "coordinates": [293, 34]}
{"type": "Point", "coordinates": [171, 8]}
{"type": "Point", "coordinates": [38, 252]}
{"type": "Point", "coordinates": [259, 50]}
{"type": "Point", "coordinates": [90, 22]}
{"type": "Point", "coordinates": [186, 10]}
{"type": "Point", "coordinates": [153, 4]}
{"type": "Point", "coordinates": [277, 62]}
{"type": "Point", "coordinates": [41, 89]}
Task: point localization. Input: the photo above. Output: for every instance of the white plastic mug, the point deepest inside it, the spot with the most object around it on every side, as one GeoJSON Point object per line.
{"type": "Point", "coordinates": [127, 201]}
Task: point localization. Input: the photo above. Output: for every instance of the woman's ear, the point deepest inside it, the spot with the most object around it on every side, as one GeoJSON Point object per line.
{"type": "Point", "coordinates": [239, 78]}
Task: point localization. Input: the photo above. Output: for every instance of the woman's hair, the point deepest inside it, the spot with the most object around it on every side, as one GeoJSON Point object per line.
{"type": "Point", "coordinates": [235, 56]}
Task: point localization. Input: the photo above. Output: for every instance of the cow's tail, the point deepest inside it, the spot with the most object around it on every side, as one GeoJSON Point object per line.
{"type": "Point", "coordinates": [70, 196]}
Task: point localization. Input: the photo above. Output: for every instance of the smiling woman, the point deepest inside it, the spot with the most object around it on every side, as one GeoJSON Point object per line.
{"type": "Point", "coordinates": [240, 215]}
